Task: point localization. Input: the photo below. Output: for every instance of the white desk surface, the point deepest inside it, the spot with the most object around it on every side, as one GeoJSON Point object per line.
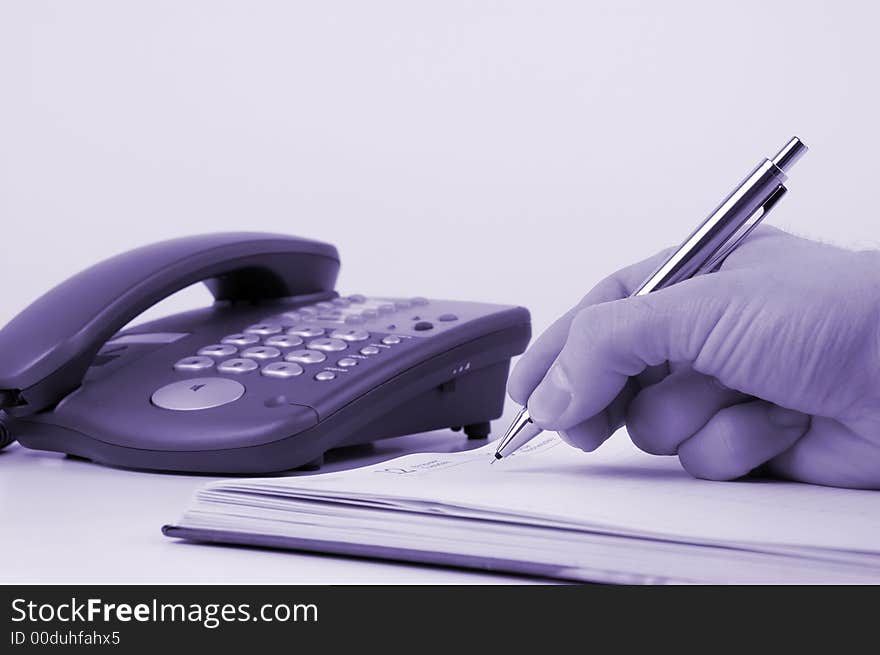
{"type": "Point", "coordinates": [64, 520]}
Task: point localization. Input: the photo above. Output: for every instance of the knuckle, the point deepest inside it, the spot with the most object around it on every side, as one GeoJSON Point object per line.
{"type": "Point", "coordinates": [607, 289]}
{"type": "Point", "coordinates": [604, 324]}
{"type": "Point", "coordinates": [586, 328]}
{"type": "Point", "coordinates": [617, 328]}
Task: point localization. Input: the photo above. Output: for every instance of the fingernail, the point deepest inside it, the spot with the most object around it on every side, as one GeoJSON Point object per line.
{"type": "Point", "coordinates": [787, 419]}
{"type": "Point", "coordinates": [552, 397]}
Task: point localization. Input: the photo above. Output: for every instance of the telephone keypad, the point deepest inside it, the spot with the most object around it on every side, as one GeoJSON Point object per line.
{"type": "Point", "coordinates": [306, 356]}
{"type": "Point", "coordinates": [196, 363]}
{"type": "Point", "coordinates": [261, 346]}
{"type": "Point", "coordinates": [237, 365]}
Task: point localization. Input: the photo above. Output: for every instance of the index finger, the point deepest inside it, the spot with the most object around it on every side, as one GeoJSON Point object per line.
{"type": "Point", "coordinates": [533, 365]}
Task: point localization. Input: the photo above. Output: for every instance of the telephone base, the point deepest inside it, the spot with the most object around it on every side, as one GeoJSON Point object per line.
{"type": "Point", "coordinates": [410, 387]}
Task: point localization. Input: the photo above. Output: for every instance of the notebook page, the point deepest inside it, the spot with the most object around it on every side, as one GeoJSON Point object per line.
{"type": "Point", "coordinates": [616, 487]}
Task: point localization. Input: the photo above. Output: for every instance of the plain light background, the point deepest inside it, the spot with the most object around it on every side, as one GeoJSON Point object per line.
{"type": "Point", "coordinates": [501, 151]}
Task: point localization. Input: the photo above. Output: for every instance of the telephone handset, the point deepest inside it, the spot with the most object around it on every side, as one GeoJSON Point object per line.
{"type": "Point", "coordinates": [278, 370]}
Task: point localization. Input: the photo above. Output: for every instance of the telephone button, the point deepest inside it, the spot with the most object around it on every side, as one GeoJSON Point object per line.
{"type": "Point", "coordinates": [347, 362]}
{"type": "Point", "coordinates": [237, 365]}
{"type": "Point", "coordinates": [306, 356]}
{"type": "Point", "coordinates": [283, 341]}
{"type": "Point", "coordinates": [421, 326]}
{"type": "Point", "coordinates": [370, 350]}
{"type": "Point", "coordinates": [282, 370]}
{"type": "Point", "coordinates": [323, 376]}
{"type": "Point", "coordinates": [261, 352]}
{"type": "Point", "coordinates": [447, 317]}
{"type": "Point", "coordinates": [358, 298]}
{"type": "Point", "coordinates": [418, 301]}
{"type": "Point", "coordinates": [197, 363]}
{"type": "Point", "coordinates": [386, 308]}
{"type": "Point", "coordinates": [264, 329]}
{"type": "Point", "coordinates": [350, 335]}
{"type": "Point", "coordinates": [218, 350]}
{"type": "Point", "coordinates": [241, 339]}
{"type": "Point", "coordinates": [354, 319]}
{"type": "Point", "coordinates": [197, 393]}
{"type": "Point", "coordinates": [341, 302]}
{"type": "Point", "coordinates": [311, 331]}
{"type": "Point", "coordinates": [391, 340]}
{"type": "Point", "coordinates": [327, 345]}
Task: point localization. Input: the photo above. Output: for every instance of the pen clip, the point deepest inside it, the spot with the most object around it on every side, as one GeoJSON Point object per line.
{"type": "Point", "coordinates": [717, 259]}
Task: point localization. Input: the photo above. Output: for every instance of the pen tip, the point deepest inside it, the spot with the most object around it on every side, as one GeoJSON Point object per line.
{"type": "Point", "coordinates": [497, 456]}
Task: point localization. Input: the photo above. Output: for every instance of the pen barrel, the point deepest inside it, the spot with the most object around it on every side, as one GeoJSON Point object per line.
{"type": "Point", "coordinates": [739, 212]}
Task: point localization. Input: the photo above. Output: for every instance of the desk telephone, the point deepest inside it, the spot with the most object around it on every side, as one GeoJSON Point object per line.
{"type": "Point", "coordinates": [278, 370]}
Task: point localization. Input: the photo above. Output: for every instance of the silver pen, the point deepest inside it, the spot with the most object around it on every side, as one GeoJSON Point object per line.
{"type": "Point", "coordinates": [702, 252]}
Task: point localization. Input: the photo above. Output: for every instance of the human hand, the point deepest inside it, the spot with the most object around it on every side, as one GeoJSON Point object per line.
{"type": "Point", "coordinates": [772, 360]}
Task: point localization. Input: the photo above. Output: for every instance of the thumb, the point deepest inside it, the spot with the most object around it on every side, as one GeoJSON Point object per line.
{"type": "Point", "coordinates": [610, 342]}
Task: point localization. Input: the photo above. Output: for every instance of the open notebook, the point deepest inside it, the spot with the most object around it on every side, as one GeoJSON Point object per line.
{"type": "Point", "coordinates": [616, 515]}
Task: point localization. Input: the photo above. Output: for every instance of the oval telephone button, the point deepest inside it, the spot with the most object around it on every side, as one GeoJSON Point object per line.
{"type": "Point", "coordinates": [197, 393]}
